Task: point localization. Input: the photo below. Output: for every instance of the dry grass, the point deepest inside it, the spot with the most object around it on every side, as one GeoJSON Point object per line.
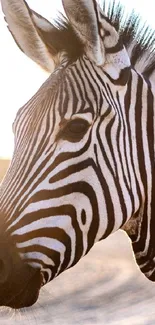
{"type": "Point", "coordinates": [4, 163]}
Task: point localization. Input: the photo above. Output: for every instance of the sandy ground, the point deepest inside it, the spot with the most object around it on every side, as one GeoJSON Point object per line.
{"type": "Point", "coordinates": [105, 287]}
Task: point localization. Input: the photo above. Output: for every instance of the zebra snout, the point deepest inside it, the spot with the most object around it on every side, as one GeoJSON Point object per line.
{"type": "Point", "coordinates": [6, 259]}
{"type": "Point", "coordinates": [19, 282]}
{"type": "Point", "coordinates": [5, 265]}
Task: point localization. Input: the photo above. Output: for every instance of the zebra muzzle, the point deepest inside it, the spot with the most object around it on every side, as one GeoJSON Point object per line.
{"type": "Point", "coordinates": [20, 283]}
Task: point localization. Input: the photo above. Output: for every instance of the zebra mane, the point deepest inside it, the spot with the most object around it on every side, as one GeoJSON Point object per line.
{"type": "Point", "coordinates": [138, 37]}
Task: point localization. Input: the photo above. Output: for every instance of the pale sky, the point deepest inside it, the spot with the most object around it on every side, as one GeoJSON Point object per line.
{"type": "Point", "coordinates": [20, 77]}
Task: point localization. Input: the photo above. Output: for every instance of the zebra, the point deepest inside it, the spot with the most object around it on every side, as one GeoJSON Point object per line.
{"type": "Point", "coordinates": [84, 157]}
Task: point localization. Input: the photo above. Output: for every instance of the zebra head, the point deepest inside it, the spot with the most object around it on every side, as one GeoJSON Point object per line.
{"type": "Point", "coordinates": [76, 172]}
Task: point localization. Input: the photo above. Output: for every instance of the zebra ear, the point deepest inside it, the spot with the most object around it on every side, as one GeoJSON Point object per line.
{"type": "Point", "coordinates": [30, 32]}
{"type": "Point", "coordinates": [102, 43]}
{"type": "Point", "coordinates": [83, 18]}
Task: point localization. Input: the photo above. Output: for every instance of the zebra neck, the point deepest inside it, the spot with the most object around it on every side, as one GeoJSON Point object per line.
{"type": "Point", "coordinates": [140, 227]}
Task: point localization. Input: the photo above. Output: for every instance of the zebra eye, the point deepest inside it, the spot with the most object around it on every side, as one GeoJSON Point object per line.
{"type": "Point", "coordinates": [75, 130]}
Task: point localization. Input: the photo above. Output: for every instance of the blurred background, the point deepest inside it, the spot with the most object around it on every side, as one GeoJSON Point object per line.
{"type": "Point", "coordinates": [106, 287]}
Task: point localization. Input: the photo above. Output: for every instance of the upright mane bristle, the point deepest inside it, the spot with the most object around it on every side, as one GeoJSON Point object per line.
{"type": "Point", "coordinates": [138, 37]}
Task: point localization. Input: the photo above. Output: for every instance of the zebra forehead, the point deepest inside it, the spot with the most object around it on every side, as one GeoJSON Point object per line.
{"type": "Point", "coordinates": [65, 87]}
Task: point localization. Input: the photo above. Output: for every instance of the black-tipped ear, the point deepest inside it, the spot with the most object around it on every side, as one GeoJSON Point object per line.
{"type": "Point", "coordinates": [29, 29]}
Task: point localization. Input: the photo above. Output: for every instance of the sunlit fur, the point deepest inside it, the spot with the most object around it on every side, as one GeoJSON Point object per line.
{"type": "Point", "coordinates": [61, 195]}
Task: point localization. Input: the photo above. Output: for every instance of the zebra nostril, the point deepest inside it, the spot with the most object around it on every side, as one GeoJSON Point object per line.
{"type": "Point", "coordinates": [2, 267]}
{"type": "Point", "coordinates": [4, 270]}
{"type": "Point", "coordinates": [5, 264]}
